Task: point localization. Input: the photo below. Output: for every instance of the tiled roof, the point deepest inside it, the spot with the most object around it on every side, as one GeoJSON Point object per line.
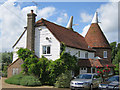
{"type": "Point", "coordinates": [68, 37]}
{"type": "Point", "coordinates": [95, 37]}
{"type": "Point", "coordinates": [94, 63]}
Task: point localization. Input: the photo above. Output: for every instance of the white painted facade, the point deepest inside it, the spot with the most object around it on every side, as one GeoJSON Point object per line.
{"type": "Point", "coordinates": [20, 44]}
{"type": "Point", "coordinates": [41, 33]}
{"type": "Point", "coordinates": [74, 51]}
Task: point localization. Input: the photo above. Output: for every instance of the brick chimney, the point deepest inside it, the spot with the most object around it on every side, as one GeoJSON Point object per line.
{"type": "Point", "coordinates": [31, 30]}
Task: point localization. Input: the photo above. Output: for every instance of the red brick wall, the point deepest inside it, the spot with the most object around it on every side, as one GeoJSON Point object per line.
{"type": "Point", "coordinates": [99, 52]}
{"type": "Point", "coordinates": [16, 64]}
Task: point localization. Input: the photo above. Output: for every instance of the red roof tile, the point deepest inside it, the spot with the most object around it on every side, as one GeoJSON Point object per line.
{"type": "Point", "coordinates": [68, 37]}
{"type": "Point", "coordinates": [95, 37]}
{"type": "Point", "coordinates": [94, 63]}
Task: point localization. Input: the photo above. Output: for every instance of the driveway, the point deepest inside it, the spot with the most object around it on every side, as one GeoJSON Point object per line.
{"type": "Point", "coordinates": [5, 85]}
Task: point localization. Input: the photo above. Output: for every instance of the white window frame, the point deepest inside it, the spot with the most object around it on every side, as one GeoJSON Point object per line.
{"type": "Point", "coordinates": [46, 49]}
{"type": "Point", "coordinates": [105, 54]}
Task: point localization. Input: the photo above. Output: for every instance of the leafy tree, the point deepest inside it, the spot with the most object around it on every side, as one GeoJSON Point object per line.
{"type": "Point", "coordinates": [114, 49]}
{"type": "Point", "coordinates": [116, 61]}
{"type": "Point", "coordinates": [46, 70]}
{"type": "Point", "coordinates": [6, 59]}
{"type": "Point", "coordinates": [30, 61]}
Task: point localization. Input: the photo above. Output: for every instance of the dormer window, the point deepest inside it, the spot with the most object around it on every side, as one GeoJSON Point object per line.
{"type": "Point", "coordinates": [105, 54]}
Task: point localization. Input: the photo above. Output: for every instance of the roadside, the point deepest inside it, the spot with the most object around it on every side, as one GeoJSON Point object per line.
{"type": "Point", "coordinates": [5, 85]}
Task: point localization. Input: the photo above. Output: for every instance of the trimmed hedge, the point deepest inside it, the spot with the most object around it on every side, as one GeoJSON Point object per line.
{"type": "Point", "coordinates": [23, 80]}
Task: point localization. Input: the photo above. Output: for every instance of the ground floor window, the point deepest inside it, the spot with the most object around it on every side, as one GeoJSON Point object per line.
{"type": "Point", "coordinates": [15, 71]}
{"type": "Point", "coordinates": [83, 70]}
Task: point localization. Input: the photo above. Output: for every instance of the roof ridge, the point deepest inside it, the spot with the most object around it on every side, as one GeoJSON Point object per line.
{"type": "Point", "coordinates": [55, 24]}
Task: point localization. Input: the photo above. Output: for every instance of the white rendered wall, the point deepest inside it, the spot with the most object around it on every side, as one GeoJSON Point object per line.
{"type": "Point", "coordinates": [20, 44]}
{"type": "Point", "coordinates": [74, 51]}
{"type": "Point", "coordinates": [40, 40]}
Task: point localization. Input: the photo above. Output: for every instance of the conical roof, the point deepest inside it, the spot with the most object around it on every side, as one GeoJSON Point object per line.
{"type": "Point", "coordinates": [95, 37]}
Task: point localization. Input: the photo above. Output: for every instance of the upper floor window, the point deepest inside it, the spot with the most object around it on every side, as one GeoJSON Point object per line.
{"type": "Point", "coordinates": [86, 54]}
{"type": "Point", "coordinates": [105, 54]}
{"type": "Point", "coordinates": [78, 53]}
{"type": "Point", "coordinates": [46, 50]}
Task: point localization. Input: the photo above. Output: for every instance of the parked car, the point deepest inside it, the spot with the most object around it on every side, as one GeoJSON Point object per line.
{"type": "Point", "coordinates": [85, 81]}
{"type": "Point", "coordinates": [110, 83]}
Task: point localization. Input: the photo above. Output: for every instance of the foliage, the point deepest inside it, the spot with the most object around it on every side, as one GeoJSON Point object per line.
{"type": "Point", "coordinates": [30, 81]}
{"type": "Point", "coordinates": [65, 63]}
{"type": "Point", "coordinates": [6, 59]}
{"type": "Point", "coordinates": [103, 71]}
{"type": "Point", "coordinates": [24, 80]}
{"type": "Point", "coordinates": [30, 61]}
{"type": "Point", "coordinates": [116, 61]}
{"type": "Point", "coordinates": [62, 48]}
{"type": "Point", "coordinates": [63, 80]}
{"type": "Point", "coordinates": [14, 79]}
{"type": "Point", "coordinates": [47, 70]}
{"type": "Point", "coordinates": [114, 49]}
{"type": "Point", "coordinates": [115, 55]}
{"type": "Point", "coordinates": [44, 70]}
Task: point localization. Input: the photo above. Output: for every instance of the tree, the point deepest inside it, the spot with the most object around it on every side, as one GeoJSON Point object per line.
{"type": "Point", "coordinates": [116, 61]}
{"type": "Point", "coordinates": [114, 49]}
{"type": "Point", "coordinates": [6, 59]}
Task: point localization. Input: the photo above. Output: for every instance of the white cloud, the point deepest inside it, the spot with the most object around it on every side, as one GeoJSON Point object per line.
{"type": "Point", "coordinates": [13, 19]}
{"type": "Point", "coordinates": [46, 12]}
{"type": "Point", "coordinates": [63, 18]}
{"type": "Point", "coordinates": [108, 16]}
{"type": "Point", "coordinates": [85, 17]}
{"type": "Point", "coordinates": [85, 29]}
{"type": "Point", "coordinates": [109, 20]}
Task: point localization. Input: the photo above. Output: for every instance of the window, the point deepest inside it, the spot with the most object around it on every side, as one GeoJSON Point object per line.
{"type": "Point", "coordinates": [78, 53]}
{"type": "Point", "coordinates": [46, 49]}
{"type": "Point", "coordinates": [15, 71]}
{"type": "Point", "coordinates": [105, 54]}
{"type": "Point", "coordinates": [86, 54]}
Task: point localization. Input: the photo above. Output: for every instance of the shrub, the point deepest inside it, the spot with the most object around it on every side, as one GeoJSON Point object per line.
{"type": "Point", "coordinates": [30, 81]}
{"type": "Point", "coordinates": [24, 80]}
{"type": "Point", "coordinates": [63, 80]}
{"type": "Point", "coordinates": [14, 79]}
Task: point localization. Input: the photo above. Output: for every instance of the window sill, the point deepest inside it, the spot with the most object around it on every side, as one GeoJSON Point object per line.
{"type": "Point", "coordinates": [47, 54]}
{"type": "Point", "coordinates": [105, 57]}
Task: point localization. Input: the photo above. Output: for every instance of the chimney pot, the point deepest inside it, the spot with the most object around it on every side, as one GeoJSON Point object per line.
{"type": "Point", "coordinates": [31, 11]}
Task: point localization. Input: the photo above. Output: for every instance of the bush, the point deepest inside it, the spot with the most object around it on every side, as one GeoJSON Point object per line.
{"type": "Point", "coordinates": [63, 80]}
{"type": "Point", "coordinates": [14, 79]}
{"type": "Point", "coordinates": [24, 80]}
{"type": "Point", "coordinates": [30, 81]}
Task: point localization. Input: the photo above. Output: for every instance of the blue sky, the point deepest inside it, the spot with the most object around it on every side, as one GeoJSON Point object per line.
{"type": "Point", "coordinates": [13, 17]}
{"type": "Point", "coordinates": [71, 8]}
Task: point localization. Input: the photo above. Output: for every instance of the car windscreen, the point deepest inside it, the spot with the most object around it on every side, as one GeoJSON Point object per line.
{"type": "Point", "coordinates": [113, 79]}
{"type": "Point", "coordinates": [84, 76]}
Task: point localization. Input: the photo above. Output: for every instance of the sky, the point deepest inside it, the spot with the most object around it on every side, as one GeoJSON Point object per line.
{"type": "Point", "coordinates": [13, 17]}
